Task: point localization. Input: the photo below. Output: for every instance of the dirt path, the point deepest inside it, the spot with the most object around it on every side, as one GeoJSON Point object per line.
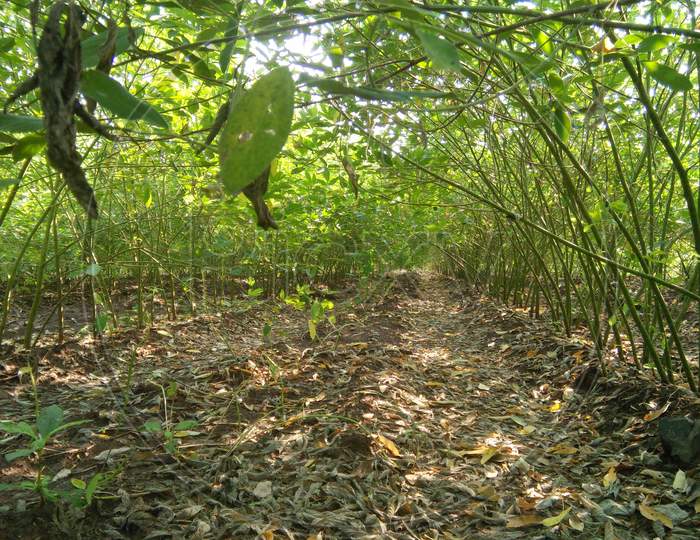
{"type": "Point", "coordinates": [422, 416]}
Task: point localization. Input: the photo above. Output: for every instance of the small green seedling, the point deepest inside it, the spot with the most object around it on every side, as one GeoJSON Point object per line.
{"type": "Point", "coordinates": [321, 310]}
{"type": "Point", "coordinates": [171, 435]}
{"type": "Point", "coordinates": [49, 422]}
{"type": "Point", "coordinates": [252, 291]}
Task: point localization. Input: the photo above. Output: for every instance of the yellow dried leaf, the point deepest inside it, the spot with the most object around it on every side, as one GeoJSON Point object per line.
{"type": "Point", "coordinates": [389, 445]}
{"type": "Point", "coordinates": [489, 453]}
{"type": "Point", "coordinates": [562, 450]}
{"type": "Point", "coordinates": [556, 520]}
{"type": "Point", "coordinates": [317, 536]}
{"type": "Point", "coordinates": [610, 477]}
{"type": "Point", "coordinates": [293, 419]}
{"type": "Point", "coordinates": [518, 522]}
{"type": "Point", "coordinates": [268, 535]}
{"type": "Point", "coordinates": [489, 493]}
{"type": "Point", "coordinates": [555, 407]}
{"type": "Point", "coordinates": [478, 451]}
{"type": "Point", "coordinates": [653, 514]}
{"type": "Point", "coordinates": [697, 505]}
{"type": "Point", "coordinates": [604, 46]}
{"type": "Point", "coordinates": [186, 433]}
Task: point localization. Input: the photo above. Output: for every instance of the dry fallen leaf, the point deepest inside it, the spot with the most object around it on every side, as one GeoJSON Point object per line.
{"type": "Point", "coordinates": [680, 482]}
{"type": "Point", "coordinates": [610, 477]}
{"type": "Point", "coordinates": [653, 415]}
{"type": "Point", "coordinates": [518, 522]}
{"type": "Point", "coordinates": [389, 445]}
{"type": "Point", "coordinates": [656, 475]}
{"type": "Point", "coordinates": [562, 450]}
{"type": "Point", "coordinates": [263, 489]}
{"type": "Point", "coordinates": [525, 504]}
{"type": "Point", "coordinates": [489, 453]}
{"type": "Point", "coordinates": [653, 514]}
{"type": "Point", "coordinates": [576, 524]}
{"type": "Point", "coordinates": [610, 533]}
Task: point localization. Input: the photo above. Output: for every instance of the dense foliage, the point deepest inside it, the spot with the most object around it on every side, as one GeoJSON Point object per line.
{"type": "Point", "coordinates": [547, 153]}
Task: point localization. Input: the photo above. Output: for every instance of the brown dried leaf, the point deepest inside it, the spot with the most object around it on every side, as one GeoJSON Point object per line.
{"type": "Point", "coordinates": [389, 445]}
{"type": "Point", "coordinates": [528, 520]}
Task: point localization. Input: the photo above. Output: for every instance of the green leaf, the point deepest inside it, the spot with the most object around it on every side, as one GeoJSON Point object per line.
{"type": "Point", "coordinates": [185, 424]}
{"type": "Point", "coordinates": [91, 47]}
{"type": "Point", "coordinates": [15, 123]}
{"type": "Point", "coordinates": [655, 42]}
{"type": "Point", "coordinates": [533, 65]}
{"type": "Point", "coordinates": [335, 87]}
{"type": "Point", "coordinates": [49, 419]}
{"type": "Point", "coordinates": [256, 129]}
{"type": "Point", "coordinates": [628, 40]}
{"type": "Point", "coordinates": [78, 483]}
{"type": "Point", "coordinates": [67, 425]}
{"type": "Point", "coordinates": [557, 86]}
{"type": "Point", "coordinates": [562, 122]}
{"type": "Point", "coordinates": [619, 206]}
{"type": "Point", "coordinates": [18, 427]}
{"type": "Point", "coordinates": [101, 323]}
{"type": "Point", "coordinates": [6, 44]}
{"type": "Point", "coordinates": [153, 426]}
{"type": "Point", "coordinates": [23, 452]}
{"type": "Point", "coordinates": [116, 99]}
{"type": "Point", "coordinates": [92, 486]}
{"type": "Point", "coordinates": [441, 51]}
{"type": "Point", "coordinates": [28, 146]}
{"type": "Point", "coordinates": [692, 46]}
{"type": "Point", "coordinates": [4, 184]}
{"type": "Point", "coordinates": [316, 311]}
{"type": "Point", "coordinates": [668, 76]}
{"type": "Point", "coordinates": [227, 51]}
{"type": "Point", "coordinates": [200, 67]}
{"type": "Point", "coordinates": [543, 41]}
{"type": "Point", "coordinates": [171, 390]}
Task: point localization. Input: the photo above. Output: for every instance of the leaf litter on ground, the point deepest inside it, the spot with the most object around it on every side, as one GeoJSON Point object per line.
{"type": "Point", "coordinates": [423, 414]}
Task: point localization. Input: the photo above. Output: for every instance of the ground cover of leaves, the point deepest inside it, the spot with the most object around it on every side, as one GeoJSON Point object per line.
{"type": "Point", "coordinates": [424, 414]}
